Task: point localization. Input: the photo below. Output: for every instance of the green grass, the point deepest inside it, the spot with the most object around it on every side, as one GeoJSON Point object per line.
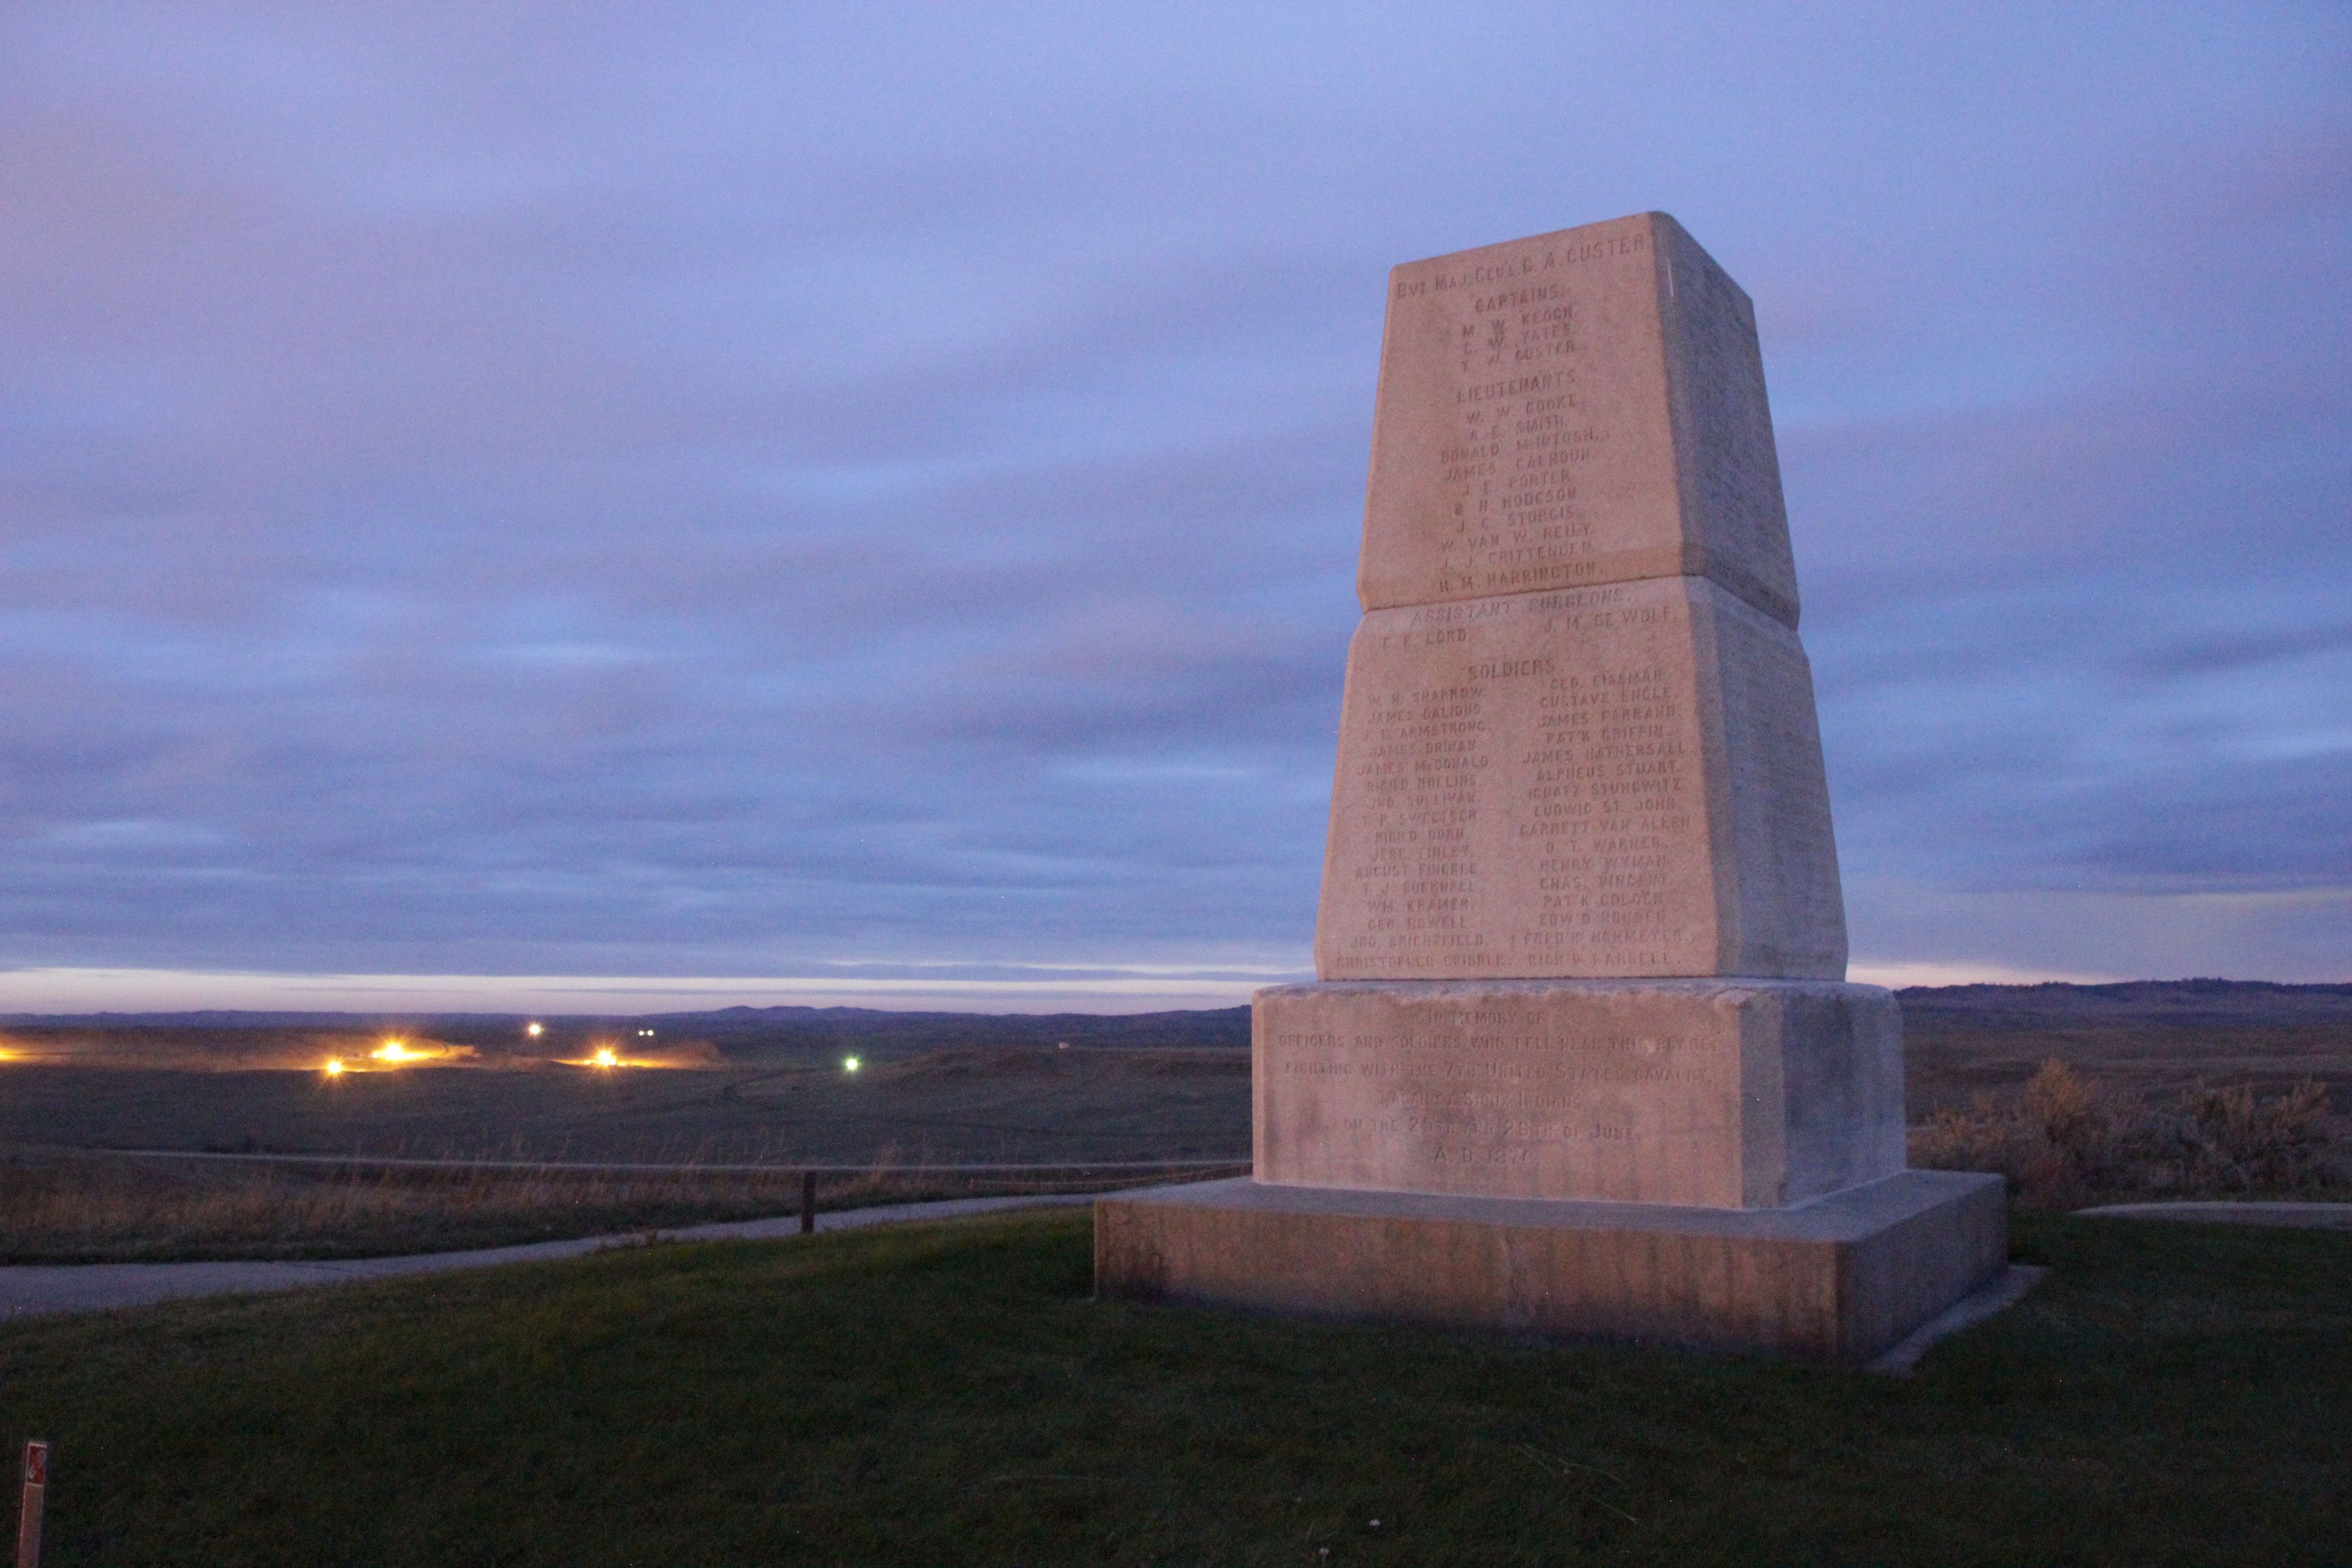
{"type": "Point", "coordinates": [949, 1395]}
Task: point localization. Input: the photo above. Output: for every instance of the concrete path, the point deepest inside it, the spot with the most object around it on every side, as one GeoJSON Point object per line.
{"type": "Point", "coordinates": [40, 1290]}
{"type": "Point", "coordinates": [2300, 1217]}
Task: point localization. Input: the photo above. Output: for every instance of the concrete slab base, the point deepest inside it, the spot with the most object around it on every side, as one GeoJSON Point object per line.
{"type": "Point", "coordinates": [1997, 1295]}
{"type": "Point", "coordinates": [1841, 1278]}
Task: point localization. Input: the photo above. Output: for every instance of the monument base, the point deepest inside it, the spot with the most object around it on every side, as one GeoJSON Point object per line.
{"type": "Point", "coordinates": [1708, 1091]}
{"type": "Point", "coordinates": [1840, 1279]}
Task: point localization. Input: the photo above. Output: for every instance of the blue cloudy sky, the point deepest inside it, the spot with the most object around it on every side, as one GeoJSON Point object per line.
{"type": "Point", "coordinates": [634, 505]}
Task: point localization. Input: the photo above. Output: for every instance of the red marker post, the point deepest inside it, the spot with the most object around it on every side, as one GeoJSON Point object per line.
{"type": "Point", "coordinates": [37, 1490]}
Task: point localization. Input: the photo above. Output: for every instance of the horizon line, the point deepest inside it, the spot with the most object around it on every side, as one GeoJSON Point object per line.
{"type": "Point", "coordinates": [66, 991]}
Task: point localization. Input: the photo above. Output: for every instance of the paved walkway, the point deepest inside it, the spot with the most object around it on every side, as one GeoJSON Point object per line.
{"type": "Point", "coordinates": [38, 1289]}
{"type": "Point", "coordinates": [2300, 1217]}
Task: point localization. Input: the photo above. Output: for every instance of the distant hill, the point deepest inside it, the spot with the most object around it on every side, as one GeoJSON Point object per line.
{"type": "Point", "coordinates": [2152, 1004]}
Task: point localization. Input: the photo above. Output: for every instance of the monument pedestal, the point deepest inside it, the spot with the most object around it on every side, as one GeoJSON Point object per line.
{"type": "Point", "coordinates": [1709, 1161]}
{"type": "Point", "coordinates": [1839, 1279]}
{"type": "Point", "coordinates": [1733, 1093]}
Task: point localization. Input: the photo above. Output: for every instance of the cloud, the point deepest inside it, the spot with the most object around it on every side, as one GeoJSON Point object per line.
{"type": "Point", "coordinates": [561, 492]}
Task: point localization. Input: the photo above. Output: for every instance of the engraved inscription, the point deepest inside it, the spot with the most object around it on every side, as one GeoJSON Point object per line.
{"type": "Point", "coordinates": [1485, 484]}
{"type": "Point", "coordinates": [1522, 792]}
{"type": "Point", "coordinates": [1515, 1099]}
{"type": "Point", "coordinates": [1509, 464]}
{"type": "Point", "coordinates": [1570, 410]}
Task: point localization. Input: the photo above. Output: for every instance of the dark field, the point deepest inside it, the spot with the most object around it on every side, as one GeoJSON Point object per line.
{"type": "Point", "coordinates": [739, 1085]}
{"type": "Point", "coordinates": [1961, 1041]}
{"type": "Point", "coordinates": [965, 1088]}
{"type": "Point", "coordinates": [769, 1088]}
{"type": "Point", "coordinates": [984, 1105]}
{"type": "Point", "coordinates": [1945, 1068]}
{"type": "Point", "coordinates": [993, 1104]}
{"type": "Point", "coordinates": [779, 1101]}
{"type": "Point", "coordinates": [949, 1395]}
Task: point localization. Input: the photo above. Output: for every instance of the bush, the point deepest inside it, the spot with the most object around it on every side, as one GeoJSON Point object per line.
{"type": "Point", "coordinates": [2226, 1139]}
{"type": "Point", "coordinates": [2063, 1139]}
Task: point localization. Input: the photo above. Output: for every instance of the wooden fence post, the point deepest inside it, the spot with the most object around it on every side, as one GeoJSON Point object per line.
{"type": "Point", "coordinates": [808, 1202]}
{"type": "Point", "coordinates": [36, 1490]}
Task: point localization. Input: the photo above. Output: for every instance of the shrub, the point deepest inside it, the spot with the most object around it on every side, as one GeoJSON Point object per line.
{"type": "Point", "coordinates": [2227, 1140]}
{"type": "Point", "coordinates": [2063, 1139]}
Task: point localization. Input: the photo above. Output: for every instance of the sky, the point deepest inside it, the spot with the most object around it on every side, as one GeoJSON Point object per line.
{"type": "Point", "coordinates": [606, 508]}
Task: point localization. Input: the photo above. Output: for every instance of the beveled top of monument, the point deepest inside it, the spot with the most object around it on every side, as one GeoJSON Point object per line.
{"type": "Point", "coordinates": [1576, 408]}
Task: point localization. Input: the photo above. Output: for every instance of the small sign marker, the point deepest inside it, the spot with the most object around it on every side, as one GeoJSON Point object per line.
{"type": "Point", "coordinates": [37, 1490]}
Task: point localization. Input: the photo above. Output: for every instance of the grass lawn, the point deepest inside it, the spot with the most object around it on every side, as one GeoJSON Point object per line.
{"type": "Point", "coordinates": [950, 1395]}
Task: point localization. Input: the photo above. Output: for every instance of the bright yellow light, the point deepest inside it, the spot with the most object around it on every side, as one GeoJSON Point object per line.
{"type": "Point", "coordinates": [606, 1057]}
{"type": "Point", "coordinates": [394, 1051]}
{"type": "Point", "coordinates": [534, 1030]}
{"type": "Point", "coordinates": [335, 1066]}
{"type": "Point", "coordinates": [849, 1064]}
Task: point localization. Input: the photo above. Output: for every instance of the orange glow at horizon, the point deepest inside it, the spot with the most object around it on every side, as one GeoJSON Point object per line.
{"type": "Point", "coordinates": [404, 1053]}
{"type": "Point", "coordinates": [608, 1058]}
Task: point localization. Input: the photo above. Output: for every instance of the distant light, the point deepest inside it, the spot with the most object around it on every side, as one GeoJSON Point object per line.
{"type": "Point", "coordinates": [1061, 1045]}
{"type": "Point", "coordinates": [647, 1032]}
{"type": "Point", "coordinates": [335, 1066]}
{"type": "Point", "coordinates": [394, 1051]}
{"type": "Point", "coordinates": [606, 1057]}
{"type": "Point", "coordinates": [849, 1064]}
{"type": "Point", "coordinates": [534, 1030]}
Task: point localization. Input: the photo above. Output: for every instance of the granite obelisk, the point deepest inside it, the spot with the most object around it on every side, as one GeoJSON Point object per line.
{"type": "Point", "coordinates": [1582, 1059]}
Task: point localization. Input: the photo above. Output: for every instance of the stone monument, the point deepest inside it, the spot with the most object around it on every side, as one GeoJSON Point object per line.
{"type": "Point", "coordinates": [1583, 1060]}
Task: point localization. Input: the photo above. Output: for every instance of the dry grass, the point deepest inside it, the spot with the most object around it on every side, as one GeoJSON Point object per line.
{"type": "Point", "coordinates": [2064, 1140]}
{"type": "Point", "coordinates": [85, 1207]}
